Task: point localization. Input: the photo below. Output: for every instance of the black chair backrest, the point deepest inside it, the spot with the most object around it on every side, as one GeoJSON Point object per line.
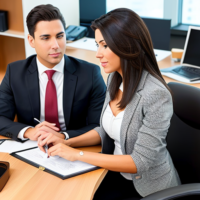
{"type": "Point", "coordinates": [183, 139]}
{"type": "Point", "coordinates": [160, 32]}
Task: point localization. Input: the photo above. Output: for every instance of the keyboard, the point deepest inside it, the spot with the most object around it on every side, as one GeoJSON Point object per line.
{"type": "Point", "coordinates": [191, 73]}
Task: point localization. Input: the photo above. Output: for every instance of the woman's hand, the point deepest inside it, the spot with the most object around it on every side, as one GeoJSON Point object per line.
{"type": "Point", "coordinates": [64, 151]}
{"type": "Point", "coordinates": [48, 138]}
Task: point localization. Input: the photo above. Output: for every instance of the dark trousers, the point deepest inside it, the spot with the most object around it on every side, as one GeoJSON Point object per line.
{"type": "Point", "coordinates": [116, 187]}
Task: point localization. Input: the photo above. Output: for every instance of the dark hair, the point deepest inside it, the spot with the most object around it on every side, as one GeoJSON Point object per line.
{"type": "Point", "coordinates": [43, 13]}
{"type": "Point", "coordinates": [127, 36]}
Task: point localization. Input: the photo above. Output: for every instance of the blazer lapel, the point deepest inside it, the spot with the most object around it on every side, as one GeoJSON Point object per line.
{"type": "Point", "coordinates": [129, 112]}
{"type": "Point", "coordinates": [69, 88]}
{"type": "Point", "coordinates": [32, 83]}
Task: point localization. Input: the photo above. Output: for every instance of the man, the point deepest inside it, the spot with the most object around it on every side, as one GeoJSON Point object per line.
{"type": "Point", "coordinates": [64, 93]}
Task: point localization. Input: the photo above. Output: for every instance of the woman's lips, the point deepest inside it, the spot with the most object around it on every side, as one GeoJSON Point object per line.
{"type": "Point", "coordinates": [103, 64]}
{"type": "Point", "coordinates": [54, 54]}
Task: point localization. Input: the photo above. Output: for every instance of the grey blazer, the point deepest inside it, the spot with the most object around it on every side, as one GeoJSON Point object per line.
{"type": "Point", "coordinates": [142, 136]}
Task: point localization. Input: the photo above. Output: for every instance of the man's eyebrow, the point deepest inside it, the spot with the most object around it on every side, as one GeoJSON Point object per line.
{"type": "Point", "coordinates": [45, 35]}
{"type": "Point", "coordinates": [60, 33]}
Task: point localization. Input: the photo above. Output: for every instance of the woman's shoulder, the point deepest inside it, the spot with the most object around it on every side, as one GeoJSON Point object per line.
{"type": "Point", "coordinates": [154, 87]}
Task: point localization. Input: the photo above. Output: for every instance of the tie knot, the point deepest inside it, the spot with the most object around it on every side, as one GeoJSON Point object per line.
{"type": "Point", "coordinates": [50, 73]}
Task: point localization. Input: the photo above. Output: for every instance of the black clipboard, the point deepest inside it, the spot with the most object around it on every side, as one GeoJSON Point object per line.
{"type": "Point", "coordinates": [45, 169]}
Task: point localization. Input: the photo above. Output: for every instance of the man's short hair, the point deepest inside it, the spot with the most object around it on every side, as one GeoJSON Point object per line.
{"type": "Point", "coordinates": [43, 13]}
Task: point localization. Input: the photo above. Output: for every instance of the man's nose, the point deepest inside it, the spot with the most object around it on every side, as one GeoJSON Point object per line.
{"type": "Point", "coordinates": [55, 44]}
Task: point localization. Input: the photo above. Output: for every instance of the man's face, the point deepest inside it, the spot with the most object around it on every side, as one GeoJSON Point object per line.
{"type": "Point", "coordinates": [49, 42]}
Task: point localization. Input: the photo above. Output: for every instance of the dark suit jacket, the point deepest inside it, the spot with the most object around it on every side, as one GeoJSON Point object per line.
{"type": "Point", "coordinates": [83, 96]}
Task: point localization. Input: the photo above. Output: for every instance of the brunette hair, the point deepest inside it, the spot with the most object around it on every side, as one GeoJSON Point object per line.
{"type": "Point", "coordinates": [127, 36]}
{"type": "Point", "coordinates": [43, 13]}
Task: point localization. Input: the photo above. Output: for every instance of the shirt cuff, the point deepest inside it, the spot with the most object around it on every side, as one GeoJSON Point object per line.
{"type": "Point", "coordinates": [21, 133]}
{"type": "Point", "coordinates": [66, 135]}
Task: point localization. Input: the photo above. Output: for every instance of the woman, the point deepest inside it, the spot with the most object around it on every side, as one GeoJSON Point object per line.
{"type": "Point", "coordinates": [135, 117]}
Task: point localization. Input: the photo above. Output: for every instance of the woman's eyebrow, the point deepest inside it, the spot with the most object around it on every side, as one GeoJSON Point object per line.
{"type": "Point", "coordinates": [100, 41]}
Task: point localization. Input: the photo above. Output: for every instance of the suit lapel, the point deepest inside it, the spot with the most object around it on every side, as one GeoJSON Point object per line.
{"type": "Point", "coordinates": [69, 88]}
{"type": "Point", "coordinates": [32, 83]}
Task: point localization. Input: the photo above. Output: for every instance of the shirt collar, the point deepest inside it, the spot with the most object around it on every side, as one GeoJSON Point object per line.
{"type": "Point", "coordinates": [59, 67]}
{"type": "Point", "coordinates": [121, 86]}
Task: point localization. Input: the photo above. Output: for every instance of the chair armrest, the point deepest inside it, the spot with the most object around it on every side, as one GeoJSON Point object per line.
{"type": "Point", "coordinates": [178, 191]}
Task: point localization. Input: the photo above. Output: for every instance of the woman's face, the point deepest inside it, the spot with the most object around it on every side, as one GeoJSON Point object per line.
{"type": "Point", "coordinates": [109, 60]}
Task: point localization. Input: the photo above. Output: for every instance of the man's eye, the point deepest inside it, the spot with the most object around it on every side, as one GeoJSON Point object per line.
{"type": "Point", "coordinates": [44, 38]}
{"type": "Point", "coordinates": [60, 36]}
{"type": "Point", "coordinates": [97, 45]}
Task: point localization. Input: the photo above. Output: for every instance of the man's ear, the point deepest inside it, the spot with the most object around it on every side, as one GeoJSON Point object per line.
{"type": "Point", "coordinates": [31, 41]}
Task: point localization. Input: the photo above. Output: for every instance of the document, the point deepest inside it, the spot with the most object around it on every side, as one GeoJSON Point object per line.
{"type": "Point", "coordinates": [54, 164]}
{"type": "Point", "coordinates": [9, 146]}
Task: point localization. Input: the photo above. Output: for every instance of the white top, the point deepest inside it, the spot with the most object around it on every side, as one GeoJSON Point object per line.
{"type": "Point", "coordinates": [112, 126]}
{"type": "Point", "coordinates": [58, 79]}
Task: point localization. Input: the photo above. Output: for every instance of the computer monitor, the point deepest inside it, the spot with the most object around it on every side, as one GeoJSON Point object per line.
{"type": "Point", "coordinates": [191, 54]}
{"type": "Point", "coordinates": [160, 32]}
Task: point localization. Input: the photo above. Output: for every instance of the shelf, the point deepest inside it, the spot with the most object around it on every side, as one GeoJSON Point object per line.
{"type": "Point", "coordinates": [16, 34]}
{"type": "Point", "coordinates": [1, 76]}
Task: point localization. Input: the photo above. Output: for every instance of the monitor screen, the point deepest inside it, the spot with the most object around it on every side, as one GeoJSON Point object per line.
{"type": "Point", "coordinates": [192, 51]}
{"type": "Point", "coordinates": [91, 10]}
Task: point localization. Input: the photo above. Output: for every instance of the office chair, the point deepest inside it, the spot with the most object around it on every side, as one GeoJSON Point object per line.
{"type": "Point", "coordinates": [183, 143]}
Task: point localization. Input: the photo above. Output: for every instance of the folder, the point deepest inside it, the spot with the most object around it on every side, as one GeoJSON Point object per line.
{"type": "Point", "coordinates": [56, 166]}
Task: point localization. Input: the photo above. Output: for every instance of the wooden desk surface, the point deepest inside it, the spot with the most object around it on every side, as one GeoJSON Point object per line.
{"type": "Point", "coordinates": [28, 182]}
{"type": "Point", "coordinates": [90, 57]}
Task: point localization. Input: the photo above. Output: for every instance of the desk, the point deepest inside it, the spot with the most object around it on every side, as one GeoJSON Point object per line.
{"type": "Point", "coordinates": [28, 182]}
{"type": "Point", "coordinates": [90, 57]}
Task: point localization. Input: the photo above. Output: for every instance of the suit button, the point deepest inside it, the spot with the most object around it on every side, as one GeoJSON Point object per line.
{"type": "Point", "coordinates": [138, 177]}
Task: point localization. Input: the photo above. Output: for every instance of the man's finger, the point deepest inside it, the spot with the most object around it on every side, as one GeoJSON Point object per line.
{"type": "Point", "coordinates": [49, 125]}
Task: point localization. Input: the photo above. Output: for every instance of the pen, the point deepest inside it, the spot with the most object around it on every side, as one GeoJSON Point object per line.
{"type": "Point", "coordinates": [37, 120]}
{"type": "Point", "coordinates": [46, 147]}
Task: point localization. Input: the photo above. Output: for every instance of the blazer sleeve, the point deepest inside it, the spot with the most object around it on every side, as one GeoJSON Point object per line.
{"type": "Point", "coordinates": [150, 145]}
{"type": "Point", "coordinates": [97, 98]}
{"type": "Point", "coordinates": [8, 128]}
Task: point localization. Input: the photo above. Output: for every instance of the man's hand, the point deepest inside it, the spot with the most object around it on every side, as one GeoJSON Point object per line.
{"type": "Point", "coordinates": [40, 129]}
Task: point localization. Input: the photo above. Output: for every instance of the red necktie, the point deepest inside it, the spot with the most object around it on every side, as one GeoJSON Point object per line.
{"type": "Point", "coordinates": [51, 105]}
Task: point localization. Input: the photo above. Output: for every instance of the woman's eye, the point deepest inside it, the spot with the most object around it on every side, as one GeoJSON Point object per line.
{"type": "Point", "coordinates": [105, 46]}
{"type": "Point", "coordinates": [97, 45]}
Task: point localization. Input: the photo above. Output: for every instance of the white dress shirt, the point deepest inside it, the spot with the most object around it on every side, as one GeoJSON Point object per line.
{"type": "Point", "coordinates": [112, 126]}
{"type": "Point", "coordinates": [58, 79]}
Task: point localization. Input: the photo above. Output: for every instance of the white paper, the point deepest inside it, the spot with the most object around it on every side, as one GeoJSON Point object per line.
{"type": "Point", "coordinates": [9, 146]}
{"type": "Point", "coordinates": [56, 164]}
{"type": "Point", "coordinates": [161, 54]}
{"type": "Point", "coordinates": [89, 44]}
{"type": "Point", "coordinates": [84, 43]}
